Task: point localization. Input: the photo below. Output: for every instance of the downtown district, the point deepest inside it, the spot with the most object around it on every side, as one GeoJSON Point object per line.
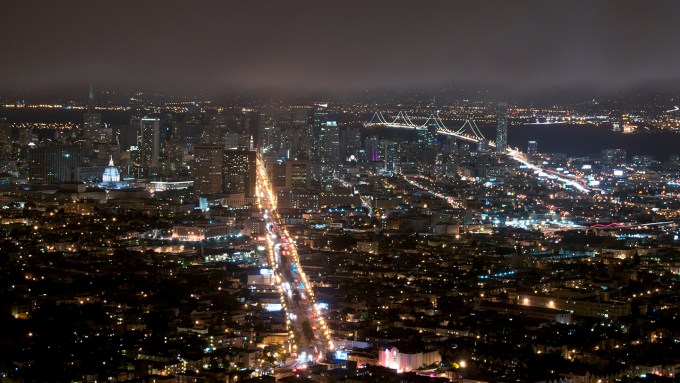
{"type": "Point", "coordinates": [210, 243]}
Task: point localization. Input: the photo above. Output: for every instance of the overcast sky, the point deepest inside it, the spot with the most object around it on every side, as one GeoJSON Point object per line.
{"type": "Point", "coordinates": [344, 45]}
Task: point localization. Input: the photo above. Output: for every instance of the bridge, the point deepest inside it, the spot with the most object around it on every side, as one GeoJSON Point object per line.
{"type": "Point", "coordinates": [467, 132]}
{"type": "Point", "coordinates": [471, 133]}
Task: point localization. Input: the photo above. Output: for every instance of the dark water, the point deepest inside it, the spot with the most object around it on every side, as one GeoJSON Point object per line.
{"type": "Point", "coordinates": [580, 140]}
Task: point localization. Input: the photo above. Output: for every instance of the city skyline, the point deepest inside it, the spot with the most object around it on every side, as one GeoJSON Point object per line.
{"type": "Point", "coordinates": [347, 192]}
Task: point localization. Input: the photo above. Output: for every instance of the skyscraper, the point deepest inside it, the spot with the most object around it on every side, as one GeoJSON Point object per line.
{"type": "Point", "coordinates": [149, 142]}
{"type": "Point", "coordinates": [239, 172]}
{"type": "Point", "coordinates": [298, 174]}
{"type": "Point", "coordinates": [92, 121]}
{"type": "Point", "coordinates": [52, 164]}
{"type": "Point", "coordinates": [344, 149]}
{"type": "Point", "coordinates": [207, 169]}
{"type": "Point", "coordinates": [372, 145]}
{"type": "Point", "coordinates": [319, 121]}
{"type": "Point", "coordinates": [502, 126]}
{"type": "Point", "coordinates": [389, 156]}
{"type": "Point", "coordinates": [329, 142]}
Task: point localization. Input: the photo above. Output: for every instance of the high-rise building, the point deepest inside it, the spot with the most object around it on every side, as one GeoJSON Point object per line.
{"type": "Point", "coordinates": [298, 174]}
{"type": "Point", "coordinates": [207, 170]}
{"type": "Point", "coordinates": [271, 140]}
{"type": "Point", "coordinates": [373, 148]}
{"type": "Point", "coordinates": [239, 172]}
{"type": "Point", "coordinates": [350, 143]}
{"type": "Point", "coordinates": [329, 142]}
{"type": "Point", "coordinates": [92, 121]}
{"type": "Point", "coordinates": [303, 144]}
{"type": "Point", "coordinates": [532, 148]}
{"type": "Point", "coordinates": [53, 164]}
{"type": "Point", "coordinates": [319, 121]}
{"type": "Point", "coordinates": [298, 199]}
{"type": "Point", "coordinates": [502, 126]}
{"type": "Point", "coordinates": [149, 142]}
{"type": "Point", "coordinates": [389, 156]}
{"type": "Point", "coordinates": [278, 174]}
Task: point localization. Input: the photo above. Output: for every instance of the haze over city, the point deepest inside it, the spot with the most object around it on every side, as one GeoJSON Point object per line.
{"type": "Point", "coordinates": [350, 45]}
{"type": "Point", "coordinates": [340, 192]}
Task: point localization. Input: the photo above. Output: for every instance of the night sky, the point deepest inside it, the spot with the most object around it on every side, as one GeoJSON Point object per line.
{"type": "Point", "coordinates": [340, 45]}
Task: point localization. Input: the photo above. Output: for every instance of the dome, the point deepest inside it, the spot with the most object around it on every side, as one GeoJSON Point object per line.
{"type": "Point", "coordinates": [111, 173]}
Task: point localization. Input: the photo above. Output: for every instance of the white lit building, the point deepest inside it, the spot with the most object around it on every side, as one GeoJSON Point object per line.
{"type": "Point", "coordinates": [200, 232]}
{"type": "Point", "coordinates": [405, 362]}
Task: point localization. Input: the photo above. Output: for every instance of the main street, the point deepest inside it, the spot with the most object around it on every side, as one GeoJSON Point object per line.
{"type": "Point", "coordinates": [309, 335]}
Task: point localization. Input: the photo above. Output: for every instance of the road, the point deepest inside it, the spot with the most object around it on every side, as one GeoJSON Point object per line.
{"type": "Point", "coordinates": [308, 330]}
{"type": "Point", "coordinates": [452, 201]}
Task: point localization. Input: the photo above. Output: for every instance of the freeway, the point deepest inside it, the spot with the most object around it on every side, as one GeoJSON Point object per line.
{"type": "Point", "coordinates": [453, 202]}
{"type": "Point", "coordinates": [309, 334]}
{"type": "Point", "coordinates": [575, 182]}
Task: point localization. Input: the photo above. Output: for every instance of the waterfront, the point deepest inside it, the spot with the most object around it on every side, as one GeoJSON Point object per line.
{"type": "Point", "coordinates": [581, 140]}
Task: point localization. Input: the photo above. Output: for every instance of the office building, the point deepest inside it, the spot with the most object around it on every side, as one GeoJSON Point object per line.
{"type": "Point", "coordinates": [389, 156]}
{"type": "Point", "coordinates": [207, 170]}
{"type": "Point", "coordinates": [53, 164]}
{"type": "Point", "coordinates": [149, 142]}
{"type": "Point", "coordinates": [329, 142]}
{"type": "Point", "coordinates": [298, 175]}
{"type": "Point", "coordinates": [319, 121]}
{"type": "Point", "coordinates": [92, 121]}
{"type": "Point", "coordinates": [298, 199]}
{"type": "Point", "coordinates": [502, 126]}
{"type": "Point", "coordinates": [239, 172]}
{"type": "Point", "coordinates": [372, 148]}
{"type": "Point", "coordinates": [350, 143]}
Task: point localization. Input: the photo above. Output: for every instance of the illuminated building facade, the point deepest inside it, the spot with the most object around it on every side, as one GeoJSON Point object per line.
{"type": "Point", "coordinates": [207, 170]}
{"type": "Point", "coordinates": [502, 126]}
{"type": "Point", "coordinates": [200, 232]}
{"type": "Point", "coordinates": [239, 172]}
{"type": "Point", "coordinates": [298, 199]}
{"type": "Point", "coordinates": [52, 164]}
{"type": "Point", "coordinates": [389, 156]}
{"type": "Point", "coordinates": [111, 173]}
{"type": "Point", "coordinates": [298, 175]}
{"type": "Point", "coordinates": [149, 142]}
{"type": "Point", "coordinates": [406, 361]}
{"type": "Point", "coordinates": [373, 149]}
{"type": "Point", "coordinates": [607, 309]}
